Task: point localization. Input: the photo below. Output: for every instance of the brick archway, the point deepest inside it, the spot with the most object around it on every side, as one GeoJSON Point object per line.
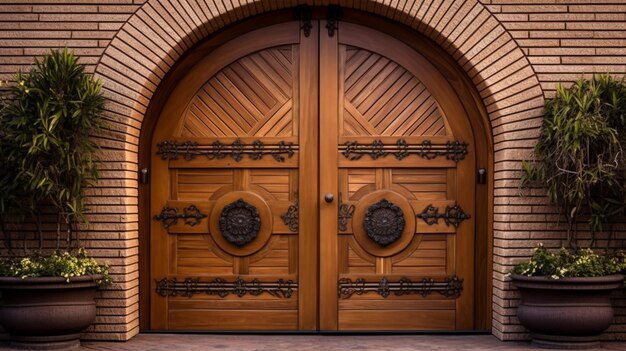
{"type": "Point", "coordinates": [159, 33]}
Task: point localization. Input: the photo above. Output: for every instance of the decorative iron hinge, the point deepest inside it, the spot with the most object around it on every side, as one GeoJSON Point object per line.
{"type": "Point", "coordinates": [291, 216]}
{"type": "Point", "coordinates": [169, 216]}
{"type": "Point", "coordinates": [169, 150]}
{"type": "Point", "coordinates": [334, 14]}
{"type": "Point", "coordinates": [345, 212]}
{"type": "Point", "coordinates": [450, 287]}
{"type": "Point", "coordinates": [454, 215]}
{"type": "Point", "coordinates": [303, 14]}
{"type": "Point", "coordinates": [452, 150]}
{"type": "Point", "coordinates": [220, 287]}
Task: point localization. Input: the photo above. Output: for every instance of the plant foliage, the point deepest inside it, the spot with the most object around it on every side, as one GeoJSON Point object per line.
{"type": "Point", "coordinates": [46, 123]}
{"type": "Point", "coordinates": [48, 158]}
{"type": "Point", "coordinates": [59, 264]}
{"type": "Point", "coordinates": [580, 152]}
{"type": "Point", "coordinates": [568, 263]}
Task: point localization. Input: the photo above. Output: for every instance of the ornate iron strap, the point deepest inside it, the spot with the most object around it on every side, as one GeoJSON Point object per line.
{"type": "Point", "coordinates": [334, 14]}
{"type": "Point", "coordinates": [384, 222]}
{"type": "Point", "coordinates": [454, 215]}
{"type": "Point", "coordinates": [291, 216]}
{"type": "Point", "coordinates": [220, 287]}
{"type": "Point", "coordinates": [303, 14]}
{"type": "Point", "coordinates": [345, 212]}
{"type": "Point", "coordinates": [169, 150]}
{"type": "Point", "coordinates": [451, 287]}
{"type": "Point", "coordinates": [169, 216]}
{"type": "Point", "coordinates": [239, 222]}
{"type": "Point", "coordinates": [452, 150]}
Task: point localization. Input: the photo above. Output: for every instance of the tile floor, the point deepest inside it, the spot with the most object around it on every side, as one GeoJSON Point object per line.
{"type": "Point", "coordinates": [198, 342]}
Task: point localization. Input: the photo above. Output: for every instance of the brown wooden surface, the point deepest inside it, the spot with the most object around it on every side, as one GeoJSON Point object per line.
{"type": "Point", "coordinates": [377, 95]}
{"type": "Point", "coordinates": [245, 90]}
{"type": "Point", "coordinates": [257, 87]}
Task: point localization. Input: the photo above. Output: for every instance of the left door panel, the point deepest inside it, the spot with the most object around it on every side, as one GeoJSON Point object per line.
{"type": "Point", "coordinates": [226, 244]}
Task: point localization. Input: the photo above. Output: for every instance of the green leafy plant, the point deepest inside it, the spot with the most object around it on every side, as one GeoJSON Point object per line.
{"type": "Point", "coordinates": [48, 158]}
{"type": "Point", "coordinates": [60, 264]}
{"type": "Point", "coordinates": [567, 263]}
{"type": "Point", "coordinates": [47, 154]}
{"type": "Point", "coordinates": [580, 153]}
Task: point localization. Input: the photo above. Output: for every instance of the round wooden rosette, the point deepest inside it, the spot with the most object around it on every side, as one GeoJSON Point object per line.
{"type": "Point", "coordinates": [358, 223]}
{"type": "Point", "coordinates": [263, 234]}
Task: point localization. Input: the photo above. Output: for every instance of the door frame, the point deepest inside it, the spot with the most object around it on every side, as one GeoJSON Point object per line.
{"type": "Point", "coordinates": [464, 88]}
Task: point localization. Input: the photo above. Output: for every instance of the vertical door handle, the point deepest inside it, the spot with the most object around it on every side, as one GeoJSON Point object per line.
{"type": "Point", "coordinates": [144, 176]}
{"type": "Point", "coordinates": [482, 176]}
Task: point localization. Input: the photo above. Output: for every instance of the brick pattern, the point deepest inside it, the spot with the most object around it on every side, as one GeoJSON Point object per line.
{"type": "Point", "coordinates": [513, 50]}
{"type": "Point", "coordinates": [563, 41]}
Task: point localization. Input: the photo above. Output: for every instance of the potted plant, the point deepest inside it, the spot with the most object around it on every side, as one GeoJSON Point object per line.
{"type": "Point", "coordinates": [579, 160]}
{"type": "Point", "coordinates": [48, 158]}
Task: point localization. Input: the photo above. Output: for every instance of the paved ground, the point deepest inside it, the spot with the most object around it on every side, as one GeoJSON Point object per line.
{"type": "Point", "coordinates": [195, 342]}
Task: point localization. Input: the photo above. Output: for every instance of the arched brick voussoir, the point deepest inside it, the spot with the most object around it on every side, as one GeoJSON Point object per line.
{"type": "Point", "coordinates": [148, 45]}
{"type": "Point", "coordinates": [160, 32]}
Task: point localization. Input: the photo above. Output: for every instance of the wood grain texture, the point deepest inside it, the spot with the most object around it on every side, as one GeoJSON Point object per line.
{"type": "Point", "coordinates": [395, 319]}
{"type": "Point", "coordinates": [245, 94]}
{"type": "Point", "coordinates": [381, 98]}
{"type": "Point", "coordinates": [318, 93]}
{"type": "Point", "coordinates": [251, 96]}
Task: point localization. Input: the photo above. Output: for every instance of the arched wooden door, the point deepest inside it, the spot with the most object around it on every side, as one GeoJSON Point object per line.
{"type": "Point", "coordinates": [305, 181]}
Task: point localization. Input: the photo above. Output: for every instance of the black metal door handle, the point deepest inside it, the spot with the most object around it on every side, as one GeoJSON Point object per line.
{"type": "Point", "coordinates": [329, 197]}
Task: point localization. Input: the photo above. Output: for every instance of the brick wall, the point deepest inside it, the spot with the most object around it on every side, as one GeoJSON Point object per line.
{"type": "Point", "coordinates": [513, 50]}
{"type": "Point", "coordinates": [563, 41]}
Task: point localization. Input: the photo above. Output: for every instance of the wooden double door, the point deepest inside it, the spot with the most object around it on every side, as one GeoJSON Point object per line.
{"type": "Point", "coordinates": [315, 178]}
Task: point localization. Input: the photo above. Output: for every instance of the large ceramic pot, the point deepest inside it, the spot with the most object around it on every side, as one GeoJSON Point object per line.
{"type": "Point", "coordinates": [47, 313]}
{"type": "Point", "coordinates": [567, 312]}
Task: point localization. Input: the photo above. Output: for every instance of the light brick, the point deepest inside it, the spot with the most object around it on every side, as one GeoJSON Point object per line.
{"type": "Point", "coordinates": [514, 51]}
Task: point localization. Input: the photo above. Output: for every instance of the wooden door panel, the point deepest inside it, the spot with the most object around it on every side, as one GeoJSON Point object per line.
{"type": "Point", "coordinates": [397, 319]}
{"type": "Point", "coordinates": [383, 98]}
{"type": "Point", "coordinates": [401, 147]}
{"type": "Point", "coordinates": [234, 320]}
{"type": "Point", "coordinates": [244, 142]}
{"type": "Point", "coordinates": [252, 96]}
{"type": "Point", "coordinates": [226, 243]}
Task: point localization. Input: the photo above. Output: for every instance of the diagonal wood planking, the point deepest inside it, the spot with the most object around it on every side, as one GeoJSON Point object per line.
{"type": "Point", "coordinates": [383, 98]}
{"type": "Point", "coordinates": [252, 96]}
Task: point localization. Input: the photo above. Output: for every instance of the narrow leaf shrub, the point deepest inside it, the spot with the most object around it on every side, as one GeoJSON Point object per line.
{"type": "Point", "coordinates": [45, 143]}
{"type": "Point", "coordinates": [579, 157]}
{"type": "Point", "coordinates": [48, 158]}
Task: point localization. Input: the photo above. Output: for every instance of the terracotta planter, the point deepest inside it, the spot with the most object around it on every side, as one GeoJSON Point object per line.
{"type": "Point", "coordinates": [47, 313]}
{"type": "Point", "coordinates": [567, 312]}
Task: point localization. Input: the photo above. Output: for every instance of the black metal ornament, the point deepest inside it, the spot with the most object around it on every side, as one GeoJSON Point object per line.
{"type": "Point", "coordinates": [384, 222]}
{"type": "Point", "coordinates": [345, 212]}
{"type": "Point", "coordinates": [169, 216]}
{"type": "Point", "coordinates": [239, 222]}
{"type": "Point", "coordinates": [171, 149]}
{"type": "Point", "coordinates": [290, 218]}
{"type": "Point", "coordinates": [303, 14]}
{"type": "Point", "coordinates": [334, 14]}
{"type": "Point", "coordinates": [222, 288]}
{"type": "Point", "coordinates": [454, 215]}
{"type": "Point", "coordinates": [455, 150]}
{"type": "Point", "coordinates": [450, 287]}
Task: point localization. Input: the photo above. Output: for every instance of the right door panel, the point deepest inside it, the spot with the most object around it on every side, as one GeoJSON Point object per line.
{"type": "Point", "coordinates": [401, 243]}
